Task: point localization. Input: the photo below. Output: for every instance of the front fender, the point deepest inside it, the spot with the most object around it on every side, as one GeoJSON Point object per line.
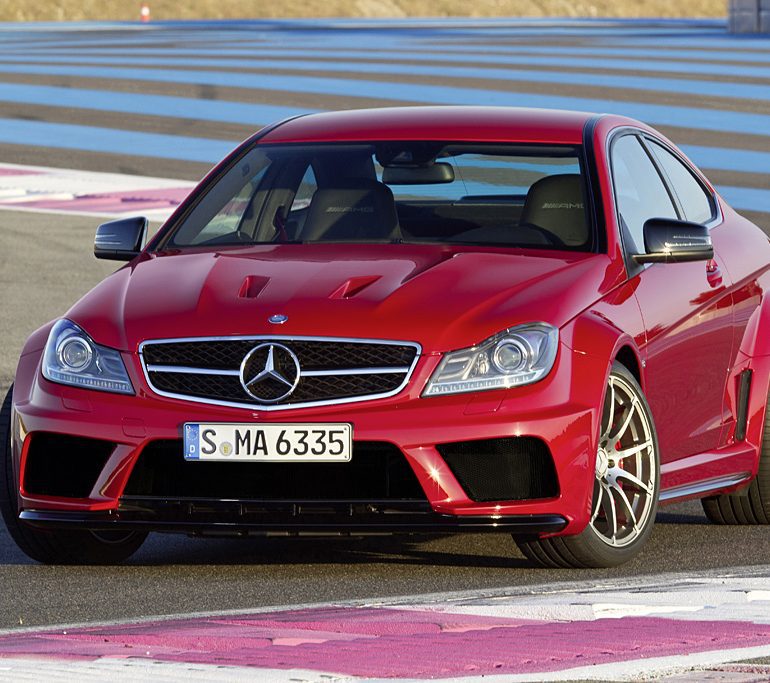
{"type": "Point", "coordinates": [595, 343]}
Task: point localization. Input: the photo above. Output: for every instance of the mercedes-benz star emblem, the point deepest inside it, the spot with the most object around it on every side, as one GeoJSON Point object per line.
{"type": "Point", "coordinates": [270, 372]}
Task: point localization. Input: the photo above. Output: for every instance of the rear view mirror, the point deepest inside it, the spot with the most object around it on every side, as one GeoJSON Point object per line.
{"type": "Point", "coordinates": [668, 240]}
{"type": "Point", "coordinates": [121, 240]}
{"type": "Point", "coordinates": [418, 175]}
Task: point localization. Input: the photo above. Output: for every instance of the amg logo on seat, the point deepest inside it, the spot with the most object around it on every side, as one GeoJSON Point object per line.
{"type": "Point", "coordinates": [562, 205]}
{"type": "Point", "coordinates": [350, 209]}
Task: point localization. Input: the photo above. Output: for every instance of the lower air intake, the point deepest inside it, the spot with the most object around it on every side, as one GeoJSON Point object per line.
{"type": "Point", "coordinates": [63, 465]}
{"type": "Point", "coordinates": [517, 468]}
{"type": "Point", "coordinates": [377, 471]}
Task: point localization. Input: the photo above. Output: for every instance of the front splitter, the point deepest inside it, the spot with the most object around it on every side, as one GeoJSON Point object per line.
{"type": "Point", "coordinates": [247, 517]}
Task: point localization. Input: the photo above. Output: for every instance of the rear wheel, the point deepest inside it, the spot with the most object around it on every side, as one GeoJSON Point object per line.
{"type": "Point", "coordinates": [55, 546]}
{"type": "Point", "coordinates": [752, 505]}
{"type": "Point", "coordinates": [625, 487]}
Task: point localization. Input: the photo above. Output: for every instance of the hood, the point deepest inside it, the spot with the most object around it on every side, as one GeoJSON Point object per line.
{"type": "Point", "coordinates": [441, 297]}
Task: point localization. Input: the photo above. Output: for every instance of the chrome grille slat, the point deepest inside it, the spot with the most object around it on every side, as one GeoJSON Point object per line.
{"type": "Point", "coordinates": [309, 373]}
{"type": "Point", "coordinates": [333, 370]}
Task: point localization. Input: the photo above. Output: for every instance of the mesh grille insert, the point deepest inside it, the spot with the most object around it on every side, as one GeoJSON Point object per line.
{"type": "Point", "coordinates": [329, 370]}
{"type": "Point", "coordinates": [516, 468]}
{"type": "Point", "coordinates": [228, 388]}
{"type": "Point", "coordinates": [312, 355]}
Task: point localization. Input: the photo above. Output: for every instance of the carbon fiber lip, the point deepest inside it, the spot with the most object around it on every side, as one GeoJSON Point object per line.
{"type": "Point", "coordinates": [262, 517]}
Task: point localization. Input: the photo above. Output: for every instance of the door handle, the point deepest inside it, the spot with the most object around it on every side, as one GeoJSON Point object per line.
{"type": "Point", "coordinates": [713, 273]}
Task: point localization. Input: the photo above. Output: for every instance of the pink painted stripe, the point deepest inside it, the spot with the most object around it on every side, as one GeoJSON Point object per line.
{"type": "Point", "coordinates": [113, 202]}
{"type": "Point", "coordinates": [391, 642]}
{"type": "Point", "coordinates": [19, 171]}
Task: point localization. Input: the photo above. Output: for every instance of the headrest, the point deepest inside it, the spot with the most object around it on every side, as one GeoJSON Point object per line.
{"type": "Point", "coordinates": [555, 203]}
{"type": "Point", "coordinates": [358, 209]}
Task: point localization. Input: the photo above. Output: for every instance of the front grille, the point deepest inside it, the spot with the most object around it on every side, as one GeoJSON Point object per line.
{"type": "Point", "coordinates": [330, 370]}
{"type": "Point", "coordinates": [377, 471]}
{"type": "Point", "coordinates": [312, 354]}
{"type": "Point", "coordinates": [516, 468]}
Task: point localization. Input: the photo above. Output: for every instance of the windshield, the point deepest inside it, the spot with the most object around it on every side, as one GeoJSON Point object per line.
{"type": "Point", "coordinates": [396, 192]}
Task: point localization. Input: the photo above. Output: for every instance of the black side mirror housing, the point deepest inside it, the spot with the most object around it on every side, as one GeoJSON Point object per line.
{"type": "Point", "coordinates": [121, 240]}
{"type": "Point", "coordinates": [667, 240]}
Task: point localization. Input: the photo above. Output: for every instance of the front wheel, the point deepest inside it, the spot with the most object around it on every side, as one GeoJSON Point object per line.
{"type": "Point", "coordinates": [625, 488]}
{"type": "Point", "coordinates": [54, 546]}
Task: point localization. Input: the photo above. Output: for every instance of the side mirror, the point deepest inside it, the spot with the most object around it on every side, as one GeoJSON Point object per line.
{"type": "Point", "coordinates": [121, 240]}
{"type": "Point", "coordinates": [667, 240]}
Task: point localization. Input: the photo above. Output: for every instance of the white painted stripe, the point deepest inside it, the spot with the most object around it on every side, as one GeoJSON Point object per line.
{"type": "Point", "coordinates": [133, 670]}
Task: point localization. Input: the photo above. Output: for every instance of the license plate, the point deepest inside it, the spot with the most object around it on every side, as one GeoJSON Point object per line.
{"type": "Point", "coordinates": [268, 442]}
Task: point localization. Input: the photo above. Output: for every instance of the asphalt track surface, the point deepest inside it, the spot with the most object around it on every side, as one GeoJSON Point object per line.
{"type": "Point", "coordinates": [80, 108]}
{"type": "Point", "coordinates": [174, 574]}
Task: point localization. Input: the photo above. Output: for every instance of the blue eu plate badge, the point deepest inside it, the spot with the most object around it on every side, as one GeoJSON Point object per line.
{"type": "Point", "coordinates": [191, 442]}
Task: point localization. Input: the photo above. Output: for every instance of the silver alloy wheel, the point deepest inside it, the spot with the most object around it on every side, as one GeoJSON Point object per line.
{"type": "Point", "coordinates": [624, 487]}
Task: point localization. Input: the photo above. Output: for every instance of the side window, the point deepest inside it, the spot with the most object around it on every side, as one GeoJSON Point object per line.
{"type": "Point", "coordinates": [229, 217]}
{"type": "Point", "coordinates": [227, 206]}
{"type": "Point", "coordinates": [696, 202]}
{"type": "Point", "coordinates": [295, 218]}
{"type": "Point", "coordinates": [639, 191]}
{"type": "Point", "coordinates": [305, 191]}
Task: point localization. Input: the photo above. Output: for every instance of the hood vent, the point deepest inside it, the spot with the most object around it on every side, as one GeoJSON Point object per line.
{"type": "Point", "coordinates": [353, 286]}
{"type": "Point", "coordinates": [252, 286]}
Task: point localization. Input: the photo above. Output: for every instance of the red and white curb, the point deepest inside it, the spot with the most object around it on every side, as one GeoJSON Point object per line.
{"type": "Point", "coordinates": [53, 190]}
{"type": "Point", "coordinates": [643, 628]}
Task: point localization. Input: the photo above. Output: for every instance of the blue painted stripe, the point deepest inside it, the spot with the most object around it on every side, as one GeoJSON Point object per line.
{"type": "Point", "coordinates": [357, 33]}
{"type": "Point", "coordinates": [691, 117]}
{"type": "Point", "coordinates": [726, 159]}
{"type": "Point", "coordinates": [746, 198]}
{"type": "Point", "coordinates": [717, 39]}
{"type": "Point", "coordinates": [654, 84]}
{"type": "Point", "coordinates": [421, 51]}
{"type": "Point", "coordinates": [155, 105]}
{"type": "Point", "coordinates": [258, 114]}
{"type": "Point", "coordinates": [130, 143]}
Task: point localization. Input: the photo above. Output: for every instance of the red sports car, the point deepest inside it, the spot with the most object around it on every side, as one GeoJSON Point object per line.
{"type": "Point", "coordinates": [420, 319]}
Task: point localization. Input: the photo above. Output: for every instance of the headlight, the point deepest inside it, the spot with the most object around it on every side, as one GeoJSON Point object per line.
{"type": "Point", "coordinates": [520, 355]}
{"type": "Point", "coordinates": [72, 357]}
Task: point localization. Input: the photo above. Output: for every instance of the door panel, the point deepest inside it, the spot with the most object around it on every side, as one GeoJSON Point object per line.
{"type": "Point", "coordinates": [687, 310]}
{"type": "Point", "coordinates": [686, 307]}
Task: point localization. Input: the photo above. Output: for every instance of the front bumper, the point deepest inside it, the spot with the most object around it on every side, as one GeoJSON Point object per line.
{"type": "Point", "coordinates": [561, 410]}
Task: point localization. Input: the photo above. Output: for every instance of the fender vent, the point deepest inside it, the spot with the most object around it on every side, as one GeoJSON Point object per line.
{"type": "Point", "coordinates": [742, 413]}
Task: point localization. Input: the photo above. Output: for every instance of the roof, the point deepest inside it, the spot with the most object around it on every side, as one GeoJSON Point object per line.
{"type": "Point", "coordinates": [471, 124]}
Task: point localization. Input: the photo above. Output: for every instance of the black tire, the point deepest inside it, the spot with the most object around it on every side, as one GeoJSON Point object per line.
{"type": "Point", "coordinates": [55, 546]}
{"type": "Point", "coordinates": [591, 548]}
{"type": "Point", "coordinates": [752, 505]}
